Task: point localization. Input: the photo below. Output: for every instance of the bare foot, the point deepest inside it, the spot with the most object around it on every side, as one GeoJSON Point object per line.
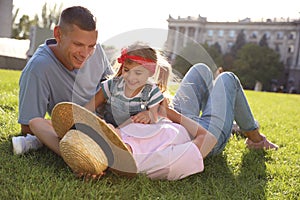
{"type": "Point", "coordinates": [256, 140]}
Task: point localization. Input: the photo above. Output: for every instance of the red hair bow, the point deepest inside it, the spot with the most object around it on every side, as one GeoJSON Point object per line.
{"type": "Point", "coordinates": [147, 63]}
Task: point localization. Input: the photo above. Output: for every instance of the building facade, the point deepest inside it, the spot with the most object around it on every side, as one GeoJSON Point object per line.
{"type": "Point", "coordinates": [6, 18]}
{"type": "Point", "coordinates": [282, 35]}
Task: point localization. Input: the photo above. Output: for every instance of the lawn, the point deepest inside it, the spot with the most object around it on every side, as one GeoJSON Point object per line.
{"type": "Point", "coordinates": [238, 173]}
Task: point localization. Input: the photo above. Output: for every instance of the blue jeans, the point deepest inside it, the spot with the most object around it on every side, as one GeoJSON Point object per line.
{"type": "Point", "coordinates": [214, 104]}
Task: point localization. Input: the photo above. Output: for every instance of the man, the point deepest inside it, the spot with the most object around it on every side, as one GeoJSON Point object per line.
{"type": "Point", "coordinates": [67, 68]}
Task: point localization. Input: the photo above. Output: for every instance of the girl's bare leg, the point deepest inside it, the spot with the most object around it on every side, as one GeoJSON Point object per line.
{"type": "Point", "coordinates": [254, 135]}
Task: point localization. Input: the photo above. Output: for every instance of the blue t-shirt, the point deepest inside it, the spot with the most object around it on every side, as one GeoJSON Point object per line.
{"type": "Point", "coordinates": [45, 81]}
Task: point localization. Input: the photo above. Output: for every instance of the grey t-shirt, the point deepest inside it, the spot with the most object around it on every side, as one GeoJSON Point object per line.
{"type": "Point", "coordinates": [44, 82]}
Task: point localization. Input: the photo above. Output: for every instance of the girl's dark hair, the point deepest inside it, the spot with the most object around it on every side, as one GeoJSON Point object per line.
{"type": "Point", "coordinates": [79, 16]}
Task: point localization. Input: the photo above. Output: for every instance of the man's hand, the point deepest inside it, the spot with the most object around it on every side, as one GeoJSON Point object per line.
{"type": "Point", "coordinates": [87, 176]}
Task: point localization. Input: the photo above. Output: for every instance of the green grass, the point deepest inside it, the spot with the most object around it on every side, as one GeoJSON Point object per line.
{"type": "Point", "coordinates": [238, 173]}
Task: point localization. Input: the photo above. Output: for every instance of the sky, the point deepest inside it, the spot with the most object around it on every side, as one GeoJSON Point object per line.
{"type": "Point", "coordinates": [119, 17]}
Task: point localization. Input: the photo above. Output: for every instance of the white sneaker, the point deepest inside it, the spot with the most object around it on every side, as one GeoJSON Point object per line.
{"type": "Point", "coordinates": [22, 144]}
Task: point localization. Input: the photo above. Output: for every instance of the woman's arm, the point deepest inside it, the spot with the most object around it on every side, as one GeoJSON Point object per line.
{"type": "Point", "coordinates": [204, 140]}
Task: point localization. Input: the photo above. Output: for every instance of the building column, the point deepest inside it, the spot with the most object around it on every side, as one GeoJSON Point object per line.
{"type": "Point", "coordinates": [297, 48]}
{"type": "Point", "coordinates": [196, 34]}
{"type": "Point", "coordinates": [174, 49]}
{"type": "Point", "coordinates": [186, 35]}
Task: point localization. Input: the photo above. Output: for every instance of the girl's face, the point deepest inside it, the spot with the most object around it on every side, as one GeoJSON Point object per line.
{"type": "Point", "coordinates": [135, 75]}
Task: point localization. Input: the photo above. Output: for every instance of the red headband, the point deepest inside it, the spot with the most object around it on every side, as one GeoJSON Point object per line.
{"type": "Point", "coordinates": [147, 63]}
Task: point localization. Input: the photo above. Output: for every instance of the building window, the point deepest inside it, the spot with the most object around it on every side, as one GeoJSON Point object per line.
{"type": "Point", "coordinates": [229, 45]}
{"type": "Point", "coordinates": [268, 35]}
{"type": "Point", "coordinates": [291, 49]}
{"type": "Point", "coordinates": [221, 33]}
{"type": "Point", "coordinates": [210, 33]}
{"type": "Point", "coordinates": [279, 35]}
{"type": "Point", "coordinates": [232, 34]}
{"type": "Point", "coordinates": [253, 35]}
{"type": "Point", "coordinates": [292, 35]}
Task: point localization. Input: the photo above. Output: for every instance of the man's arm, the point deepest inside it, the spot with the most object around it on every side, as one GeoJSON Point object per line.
{"type": "Point", "coordinates": [33, 98]}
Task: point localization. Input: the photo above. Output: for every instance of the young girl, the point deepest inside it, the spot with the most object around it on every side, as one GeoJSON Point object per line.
{"type": "Point", "coordinates": [130, 96]}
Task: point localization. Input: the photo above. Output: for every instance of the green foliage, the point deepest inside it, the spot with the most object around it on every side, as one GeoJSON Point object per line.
{"type": "Point", "coordinates": [50, 17]}
{"type": "Point", "coordinates": [22, 29]}
{"type": "Point", "coordinates": [239, 43]}
{"type": "Point", "coordinates": [263, 41]}
{"type": "Point", "coordinates": [228, 61]}
{"type": "Point", "coordinates": [255, 63]}
{"type": "Point", "coordinates": [238, 173]}
{"type": "Point", "coordinates": [8, 103]}
{"type": "Point", "coordinates": [215, 53]}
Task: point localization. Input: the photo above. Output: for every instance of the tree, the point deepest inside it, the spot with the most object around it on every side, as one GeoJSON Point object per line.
{"type": "Point", "coordinates": [264, 41]}
{"type": "Point", "coordinates": [191, 54]}
{"type": "Point", "coordinates": [215, 53]}
{"type": "Point", "coordinates": [256, 63]}
{"type": "Point", "coordinates": [50, 17]}
{"type": "Point", "coordinates": [229, 57]}
{"type": "Point", "coordinates": [228, 60]}
{"type": "Point", "coordinates": [22, 29]}
{"type": "Point", "coordinates": [239, 43]}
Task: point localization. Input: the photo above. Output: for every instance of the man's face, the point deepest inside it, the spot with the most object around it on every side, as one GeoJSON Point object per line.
{"type": "Point", "coordinates": [76, 47]}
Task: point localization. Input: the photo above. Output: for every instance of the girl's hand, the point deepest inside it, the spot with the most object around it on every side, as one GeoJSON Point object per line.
{"type": "Point", "coordinates": [144, 117]}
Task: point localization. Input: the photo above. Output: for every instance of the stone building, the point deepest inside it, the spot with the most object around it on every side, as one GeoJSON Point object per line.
{"type": "Point", "coordinates": [5, 18]}
{"type": "Point", "coordinates": [283, 35]}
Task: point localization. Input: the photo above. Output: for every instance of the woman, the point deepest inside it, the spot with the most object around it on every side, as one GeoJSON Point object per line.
{"type": "Point", "coordinates": [165, 151]}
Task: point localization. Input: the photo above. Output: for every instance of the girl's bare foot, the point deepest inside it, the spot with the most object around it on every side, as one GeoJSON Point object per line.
{"type": "Point", "coordinates": [256, 140]}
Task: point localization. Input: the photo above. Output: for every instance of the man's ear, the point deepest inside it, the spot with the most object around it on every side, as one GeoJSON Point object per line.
{"type": "Point", "coordinates": [57, 33]}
